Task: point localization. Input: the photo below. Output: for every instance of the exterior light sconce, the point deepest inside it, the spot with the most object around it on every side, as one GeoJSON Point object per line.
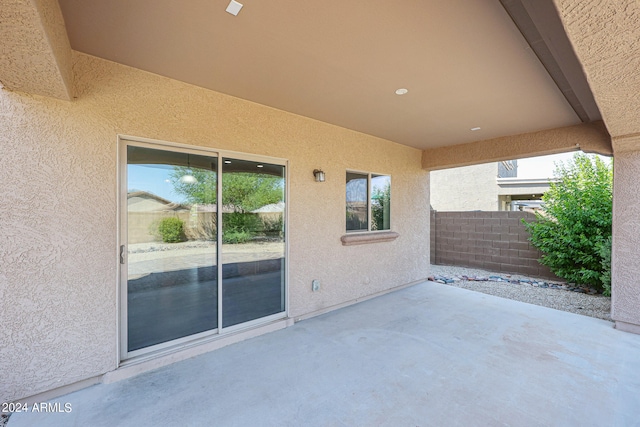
{"type": "Point", "coordinates": [319, 175]}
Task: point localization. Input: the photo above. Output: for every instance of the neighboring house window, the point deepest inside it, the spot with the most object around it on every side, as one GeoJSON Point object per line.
{"type": "Point", "coordinates": [368, 199]}
{"type": "Point", "coordinates": [508, 169]}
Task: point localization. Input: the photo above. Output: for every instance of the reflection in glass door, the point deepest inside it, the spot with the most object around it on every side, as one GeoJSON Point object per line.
{"type": "Point", "coordinates": [172, 289]}
{"type": "Point", "coordinates": [253, 245]}
{"type": "Point", "coordinates": [172, 285]}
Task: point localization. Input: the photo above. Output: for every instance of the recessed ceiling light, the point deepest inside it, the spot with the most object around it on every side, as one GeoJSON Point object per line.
{"type": "Point", "coordinates": [228, 162]}
{"type": "Point", "coordinates": [260, 166]}
{"type": "Point", "coordinates": [475, 129]}
{"type": "Point", "coordinates": [402, 91]}
{"type": "Point", "coordinates": [234, 7]}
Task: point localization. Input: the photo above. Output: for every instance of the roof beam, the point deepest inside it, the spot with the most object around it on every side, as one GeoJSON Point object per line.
{"type": "Point", "coordinates": [35, 54]}
{"type": "Point", "coordinates": [541, 26]}
{"type": "Point", "coordinates": [588, 137]}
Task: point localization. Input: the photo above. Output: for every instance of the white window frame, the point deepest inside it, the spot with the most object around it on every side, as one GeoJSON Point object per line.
{"type": "Point", "coordinates": [369, 193]}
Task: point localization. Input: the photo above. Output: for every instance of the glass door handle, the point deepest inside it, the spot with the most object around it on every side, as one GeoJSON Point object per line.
{"type": "Point", "coordinates": [121, 254]}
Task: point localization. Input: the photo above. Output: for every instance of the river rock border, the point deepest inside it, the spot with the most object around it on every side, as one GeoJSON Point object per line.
{"type": "Point", "coordinates": [571, 287]}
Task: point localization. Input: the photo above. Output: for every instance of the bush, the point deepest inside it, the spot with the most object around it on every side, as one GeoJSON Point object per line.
{"type": "Point", "coordinates": [239, 227]}
{"type": "Point", "coordinates": [573, 231]}
{"type": "Point", "coordinates": [234, 237]}
{"type": "Point", "coordinates": [605, 277]}
{"type": "Point", "coordinates": [171, 230]}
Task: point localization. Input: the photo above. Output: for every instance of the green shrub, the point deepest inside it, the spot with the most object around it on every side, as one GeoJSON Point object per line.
{"type": "Point", "coordinates": [241, 221]}
{"type": "Point", "coordinates": [234, 237]}
{"type": "Point", "coordinates": [240, 227]}
{"type": "Point", "coordinates": [576, 223]}
{"type": "Point", "coordinates": [605, 277]}
{"type": "Point", "coordinates": [171, 229]}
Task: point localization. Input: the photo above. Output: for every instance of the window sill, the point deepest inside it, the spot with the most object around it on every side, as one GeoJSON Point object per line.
{"type": "Point", "coordinates": [369, 237]}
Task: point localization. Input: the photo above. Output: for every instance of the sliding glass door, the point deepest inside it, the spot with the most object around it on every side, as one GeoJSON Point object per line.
{"type": "Point", "coordinates": [252, 240]}
{"type": "Point", "coordinates": [173, 290]}
{"type": "Point", "coordinates": [172, 280]}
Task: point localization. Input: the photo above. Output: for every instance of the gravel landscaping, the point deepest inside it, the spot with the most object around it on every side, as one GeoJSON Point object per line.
{"type": "Point", "coordinates": [557, 295]}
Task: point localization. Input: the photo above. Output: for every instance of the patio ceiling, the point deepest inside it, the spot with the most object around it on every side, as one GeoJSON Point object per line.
{"type": "Point", "coordinates": [465, 63]}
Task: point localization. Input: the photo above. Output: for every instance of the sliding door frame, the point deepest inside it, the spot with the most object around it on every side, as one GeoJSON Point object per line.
{"type": "Point", "coordinates": [123, 354]}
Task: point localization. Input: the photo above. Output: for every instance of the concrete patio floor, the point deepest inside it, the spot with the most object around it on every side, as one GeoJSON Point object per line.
{"type": "Point", "coordinates": [429, 355]}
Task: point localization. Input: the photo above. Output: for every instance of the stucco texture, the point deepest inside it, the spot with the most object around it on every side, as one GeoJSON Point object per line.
{"type": "Point", "coordinates": [625, 298]}
{"type": "Point", "coordinates": [58, 258]}
{"type": "Point", "coordinates": [467, 188]}
{"type": "Point", "coordinates": [35, 55]}
{"type": "Point", "coordinates": [605, 35]}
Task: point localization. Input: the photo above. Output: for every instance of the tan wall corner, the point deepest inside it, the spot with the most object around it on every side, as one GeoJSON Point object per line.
{"type": "Point", "coordinates": [36, 54]}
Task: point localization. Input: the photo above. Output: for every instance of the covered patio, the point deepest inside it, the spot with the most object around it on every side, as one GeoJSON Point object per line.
{"type": "Point", "coordinates": [427, 355]}
{"type": "Point", "coordinates": [96, 94]}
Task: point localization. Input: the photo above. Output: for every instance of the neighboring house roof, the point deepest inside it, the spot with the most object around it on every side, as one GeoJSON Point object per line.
{"type": "Point", "coordinates": [519, 186]}
{"type": "Point", "coordinates": [273, 207]}
{"type": "Point", "coordinates": [143, 201]}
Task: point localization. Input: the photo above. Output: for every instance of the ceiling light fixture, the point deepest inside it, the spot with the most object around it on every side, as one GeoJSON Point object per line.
{"type": "Point", "coordinates": [228, 162]}
{"type": "Point", "coordinates": [234, 7]}
{"type": "Point", "coordinates": [402, 91]}
{"type": "Point", "coordinates": [475, 129]}
{"type": "Point", "coordinates": [188, 177]}
{"type": "Point", "coordinates": [260, 166]}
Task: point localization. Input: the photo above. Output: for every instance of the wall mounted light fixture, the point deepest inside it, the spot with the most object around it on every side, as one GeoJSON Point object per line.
{"type": "Point", "coordinates": [319, 175]}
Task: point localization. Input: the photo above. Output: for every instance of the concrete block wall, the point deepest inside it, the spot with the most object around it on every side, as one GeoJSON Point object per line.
{"type": "Point", "coordinates": [494, 241]}
{"type": "Point", "coordinates": [432, 235]}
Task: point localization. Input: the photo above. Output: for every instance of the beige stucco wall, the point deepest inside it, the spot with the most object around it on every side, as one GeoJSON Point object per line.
{"type": "Point", "coordinates": [58, 171]}
{"type": "Point", "coordinates": [625, 269]}
{"type": "Point", "coordinates": [468, 188]}
{"type": "Point", "coordinates": [605, 35]}
{"type": "Point", "coordinates": [35, 55]}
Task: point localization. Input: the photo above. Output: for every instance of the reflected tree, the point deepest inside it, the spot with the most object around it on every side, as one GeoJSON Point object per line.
{"type": "Point", "coordinates": [380, 207]}
{"type": "Point", "coordinates": [243, 193]}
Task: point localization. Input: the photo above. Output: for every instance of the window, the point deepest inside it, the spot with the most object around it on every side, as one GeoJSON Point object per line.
{"type": "Point", "coordinates": [368, 198]}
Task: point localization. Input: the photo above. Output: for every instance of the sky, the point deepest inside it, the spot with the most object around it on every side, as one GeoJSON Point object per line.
{"type": "Point", "coordinates": [543, 166]}
{"type": "Point", "coordinates": [540, 167]}
{"type": "Point", "coordinates": [154, 179]}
